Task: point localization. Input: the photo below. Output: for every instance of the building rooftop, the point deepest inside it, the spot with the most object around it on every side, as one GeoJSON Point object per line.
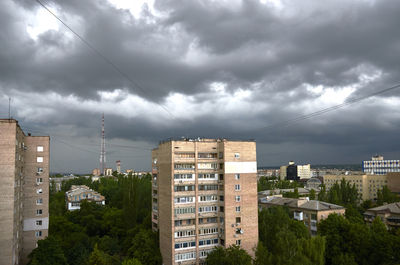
{"type": "Point", "coordinates": [77, 190]}
{"type": "Point", "coordinates": [389, 208]}
{"type": "Point", "coordinates": [200, 139]}
{"type": "Point", "coordinates": [302, 203]}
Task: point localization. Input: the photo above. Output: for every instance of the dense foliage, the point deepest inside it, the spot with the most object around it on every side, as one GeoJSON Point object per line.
{"type": "Point", "coordinates": [284, 240]}
{"type": "Point", "coordinates": [233, 255]}
{"type": "Point", "coordinates": [351, 241]}
{"type": "Point", "coordinates": [271, 183]}
{"type": "Point", "coordinates": [119, 232]}
{"type": "Point", "coordinates": [342, 193]}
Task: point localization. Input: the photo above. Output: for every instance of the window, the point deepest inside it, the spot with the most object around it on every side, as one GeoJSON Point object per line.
{"type": "Point", "coordinates": [208, 242]}
{"type": "Point", "coordinates": [208, 176]}
{"type": "Point", "coordinates": [237, 155]}
{"type": "Point", "coordinates": [190, 244]}
{"type": "Point", "coordinates": [39, 148]}
{"type": "Point", "coordinates": [184, 200]}
{"type": "Point", "coordinates": [221, 198]}
{"type": "Point", "coordinates": [221, 166]}
{"type": "Point", "coordinates": [238, 220]}
{"type": "Point", "coordinates": [208, 209]}
{"type": "Point", "coordinates": [184, 166]}
{"type": "Point", "coordinates": [207, 165]}
{"type": "Point", "coordinates": [221, 209]}
{"type": "Point", "coordinates": [238, 242]}
{"type": "Point", "coordinates": [39, 159]}
{"type": "Point", "coordinates": [39, 201]}
{"type": "Point", "coordinates": [237, 208]}
{"type": "Point", "coordinates": [204, 254]}
{"type": "Point", "coordinates": [237, 176]}
{"type": "Point", "coordinates": [184, 210]}
{"type": "Point", "coordinates": [184, 233]}
{"type": "Point", "coordinates": [39, 212]}
{"type": "Point", "coordinates": [184, 188]}
{"type": "Point", "coordinates": [184, 177]}
{"type": "Point", "coordinates": [208, 187]}
{"type": "Point", "coordinates": [39, 191]}
{"type": "Point", "coordinates": [39, 170]}
{"type": "Point", "coordinates": [39, 222]}
{"type": "Point", "coordinates": [220, 155]}
{"type": "Point", "coordinates": [185, 256]}
{"type": "Point", "coordinates": [237, 198]}
{"type": "Point", "coordinates": [207, 155]}
{"type": "Point", "coordinates": [237, 187]}
{"type": "Point", "coordinates": [208, 231]}
{"type": "Point", "coordinates": [221, 176]}
{"type": "Point", "coordinates": [208, 198]}
{"type": "Point", "coordinates": [38, 233]}
{"type": "Point", "coordinates": [184, 155]}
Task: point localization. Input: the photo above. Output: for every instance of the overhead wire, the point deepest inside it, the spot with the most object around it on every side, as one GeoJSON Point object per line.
{"type": "Point", "coordinates": [326, 110]}
{"type": "Point", "coordinates": [103, 57]}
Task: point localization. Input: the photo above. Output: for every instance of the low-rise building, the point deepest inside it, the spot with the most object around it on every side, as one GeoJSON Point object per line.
{"type": "Point", "coordinates": [389, 214]}
{"type": "Point", "coordinates": [78, 193]}
{"type": "Point", "coordinates": [310, 212]}
{"type": "Point", "coordinates": [301, 191]}
{"type": "Point", "coordinates": [366, 185]}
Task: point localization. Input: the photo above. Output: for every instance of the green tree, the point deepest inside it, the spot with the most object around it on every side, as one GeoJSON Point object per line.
{"type": "Point", "coordinates": [48, 252]}
{"type": "Point", "coordinates": [262, 255]}
{"type": "Point", "coordinates": [233, 255]}
{"type": "Point", "coordinates": [312, 194]}
{"type": "Point", "coordinates": [384, 195]}
{"type": "Point", "coordinates": [144, 247]}
{"type": "Point", "coordinates": [131, 262]}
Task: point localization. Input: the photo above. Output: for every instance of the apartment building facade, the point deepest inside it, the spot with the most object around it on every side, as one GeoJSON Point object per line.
{"type": "Point", "coordinates": [310, 212]}
{"type": "Point", "coordinates": [24, 191]}
{"type": "Point", "coordinates": [378, 166]}
{"type": "Point", "coordinates": [204, 195]}
{"type": "Point", "coordinates": [366, 185]}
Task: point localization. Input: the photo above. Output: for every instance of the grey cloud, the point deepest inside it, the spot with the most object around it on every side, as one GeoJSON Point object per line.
{"type": "Point", "coordinates": [251, 47]}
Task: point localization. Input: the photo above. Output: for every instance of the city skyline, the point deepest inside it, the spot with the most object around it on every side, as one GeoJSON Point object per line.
{"type": "Point", "coordinates": [203, 69]}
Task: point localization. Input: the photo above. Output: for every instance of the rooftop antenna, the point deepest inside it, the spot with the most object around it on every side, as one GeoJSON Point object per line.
{"type": "Point", "coordinates": [9, 108]}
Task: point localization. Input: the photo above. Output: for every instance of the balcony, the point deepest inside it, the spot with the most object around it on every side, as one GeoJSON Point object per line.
{"type": "Point", "coordinates": [298, 216]}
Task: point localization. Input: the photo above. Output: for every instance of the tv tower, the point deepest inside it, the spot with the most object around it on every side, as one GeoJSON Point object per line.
{"type": "Point", "coordinates": [103, 148]}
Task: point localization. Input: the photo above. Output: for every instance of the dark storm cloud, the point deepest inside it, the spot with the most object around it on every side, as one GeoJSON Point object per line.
{"type": "Point", "coordinates": [276, 56]}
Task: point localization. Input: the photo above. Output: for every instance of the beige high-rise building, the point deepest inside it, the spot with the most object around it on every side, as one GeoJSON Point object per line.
{"type": "Point", "coordinates": [366, 185]}
{"type": "Point", "coordinates": [24, 191]}
{"type": "Point", "coordinates": [204, 195]}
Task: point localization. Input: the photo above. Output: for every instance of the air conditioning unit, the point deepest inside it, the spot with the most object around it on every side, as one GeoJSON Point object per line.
{"type": "Point", "coordinates": [235, 235]}
{"type": "Point", "coordinates": [237, 224]}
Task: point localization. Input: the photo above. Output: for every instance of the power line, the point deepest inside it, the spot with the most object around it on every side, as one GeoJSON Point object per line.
{"type": "Point", "coordinates": [326, 110]}
{"type": "Point", "coordinates": [105, 58]}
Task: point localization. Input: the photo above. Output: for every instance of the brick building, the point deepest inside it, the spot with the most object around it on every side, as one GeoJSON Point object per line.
{"type": "Point", "coordinates": [24, 191]}
{"type": "Point", "coordinates": [204, 195]}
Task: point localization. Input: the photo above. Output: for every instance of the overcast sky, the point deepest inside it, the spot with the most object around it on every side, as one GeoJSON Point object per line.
{"type": "Point", "coordinates": [232, 69]}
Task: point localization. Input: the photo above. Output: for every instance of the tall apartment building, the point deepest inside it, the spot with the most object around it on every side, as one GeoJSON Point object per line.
{"type": "Point", "coordinates": [24, 191]}
{"type": "Point", "coordinates": [378, 166]}
{"type": "Point", "coordinates": [204, 195]}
